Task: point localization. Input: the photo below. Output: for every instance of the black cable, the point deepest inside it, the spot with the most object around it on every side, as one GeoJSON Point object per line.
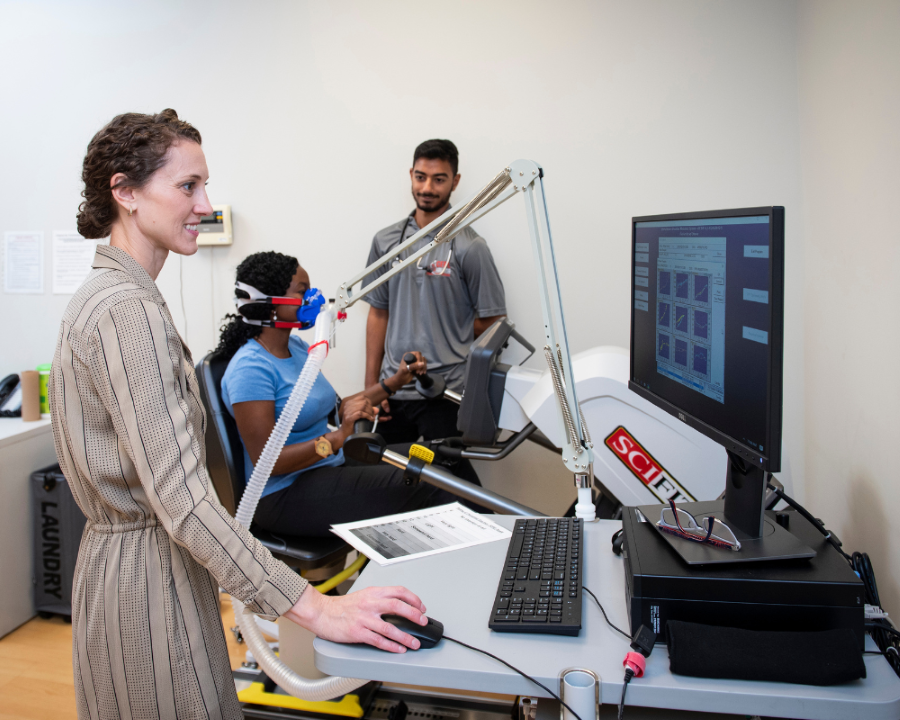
{"type": "Point", "coordinates": [527, 677]}
{"type": "Point", "coordinates": [862, 565]}
{"type": "Point", "coordinates": [886, 637]}
{"type": "Point", "coordinates": [618, 630]}
{"type": "Point", "coordinates": [629, 673]}
{"type": "Point", "coordinates": [884, 628]}
{"type": "Point", "coordinates": [805, 513]}
{"type": "Point", "coordinates": [884, 654]}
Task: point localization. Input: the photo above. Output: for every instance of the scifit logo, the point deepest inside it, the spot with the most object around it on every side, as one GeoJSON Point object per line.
{"type": "Point", "coordinates": [645, 467]}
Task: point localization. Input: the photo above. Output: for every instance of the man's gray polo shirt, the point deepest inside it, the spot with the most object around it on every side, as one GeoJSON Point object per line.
{"type": "Point", "coordinates": [432, 312]}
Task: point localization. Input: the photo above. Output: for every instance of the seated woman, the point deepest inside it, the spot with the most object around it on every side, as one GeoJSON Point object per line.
{"type": "Point", "coordinates": [312, 485]}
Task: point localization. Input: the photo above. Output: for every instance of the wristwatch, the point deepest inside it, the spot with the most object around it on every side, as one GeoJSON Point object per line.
{"type": "Point", "coordinates": [323, 447]}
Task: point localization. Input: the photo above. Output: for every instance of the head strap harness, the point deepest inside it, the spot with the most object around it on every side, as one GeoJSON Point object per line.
{"type": "Point", "coordinates": [308, 306]}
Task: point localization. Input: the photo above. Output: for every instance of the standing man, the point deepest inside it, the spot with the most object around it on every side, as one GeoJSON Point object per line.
{"type": "Point", "coordinates": [452, 295]}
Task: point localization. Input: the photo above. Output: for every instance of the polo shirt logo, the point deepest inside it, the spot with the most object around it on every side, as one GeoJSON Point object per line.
{"type": "Point", "coordinates": [439, 268]}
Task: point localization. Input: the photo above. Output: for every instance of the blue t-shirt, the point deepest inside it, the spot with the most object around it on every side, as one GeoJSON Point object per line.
{"type": "Point", "coordinates": [255, 374]}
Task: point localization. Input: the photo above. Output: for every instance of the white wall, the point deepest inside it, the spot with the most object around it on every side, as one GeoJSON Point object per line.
{"type": "Point", "coordinates": [849, 69]}
{"type": "Point", "coordinates": [310, 113]}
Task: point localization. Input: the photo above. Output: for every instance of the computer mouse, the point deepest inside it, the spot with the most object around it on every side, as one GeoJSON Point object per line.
{"type": "Point", "coordinates": [427, 635]}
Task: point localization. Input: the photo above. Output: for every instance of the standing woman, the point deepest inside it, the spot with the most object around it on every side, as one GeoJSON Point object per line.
{"type": "Point", "coordinates": [129, 426]}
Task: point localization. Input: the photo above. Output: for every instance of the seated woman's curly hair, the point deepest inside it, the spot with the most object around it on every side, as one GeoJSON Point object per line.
{"type": "Point", "coordinates": [133, 144]}
{"type": "Point", "coordinates": [270, 273]}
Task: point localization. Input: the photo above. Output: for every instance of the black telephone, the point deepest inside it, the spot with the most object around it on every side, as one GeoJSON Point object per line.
{"type": "Point", "coordinates": [11, 396]}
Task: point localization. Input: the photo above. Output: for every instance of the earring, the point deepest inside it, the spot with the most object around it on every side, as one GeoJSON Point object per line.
{"type": "Point", "coordinates": [130, 211]}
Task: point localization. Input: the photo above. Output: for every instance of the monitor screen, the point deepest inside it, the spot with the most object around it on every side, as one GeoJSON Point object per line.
{"type": "Point", "coordinates": [706, 332]}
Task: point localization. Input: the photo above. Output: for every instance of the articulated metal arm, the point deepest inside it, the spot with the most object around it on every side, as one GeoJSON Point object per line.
{"type": "Point", "coordinates": [526, 177]}
{"type": "Point", "coordinates": [578, 454]}
{"type": "Point", "coordinates": [497, 192]}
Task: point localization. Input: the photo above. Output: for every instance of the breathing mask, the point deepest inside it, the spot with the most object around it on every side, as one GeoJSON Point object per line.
{"type": "Point", "coordinates": [308, 306]}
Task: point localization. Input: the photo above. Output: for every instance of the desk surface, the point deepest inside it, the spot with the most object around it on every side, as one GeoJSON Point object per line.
{"type": "Point", "coordinates": [458, 589]}
{"type": "Point", "coordinates": [13, 430]}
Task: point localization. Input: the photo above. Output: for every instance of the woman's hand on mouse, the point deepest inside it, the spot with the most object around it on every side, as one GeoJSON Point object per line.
{"type": "Point", "coordinates": [356, 618]}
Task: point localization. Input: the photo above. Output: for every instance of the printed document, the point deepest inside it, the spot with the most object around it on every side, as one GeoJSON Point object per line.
{"type": "Point", "coordinates": [73, 257]}
{"type": "Point", "coordinates": [23, 255]}
{"type": "Point", "coordinates": [394, 538]}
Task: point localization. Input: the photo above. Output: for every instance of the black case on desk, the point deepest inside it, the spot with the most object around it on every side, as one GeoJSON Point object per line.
{"type": "Point", "coordinates": [57, 526]}
{"type": "Point", "coordinates": [801, 595]}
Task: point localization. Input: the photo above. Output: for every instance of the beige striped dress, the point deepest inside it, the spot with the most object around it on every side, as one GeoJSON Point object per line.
{"type": "Point", "coordinates": [129, 426]}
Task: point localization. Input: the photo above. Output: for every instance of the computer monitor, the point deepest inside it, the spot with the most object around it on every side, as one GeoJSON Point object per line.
{"type": "Point", "coordinates": [707, 326]}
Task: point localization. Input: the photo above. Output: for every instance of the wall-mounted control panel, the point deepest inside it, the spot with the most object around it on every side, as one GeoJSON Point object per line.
{"type": "Point", "coordinates": [215, 229]}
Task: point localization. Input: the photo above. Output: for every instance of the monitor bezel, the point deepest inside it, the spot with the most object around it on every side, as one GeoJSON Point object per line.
{"type": "Point", "coordinates": [770, 461]}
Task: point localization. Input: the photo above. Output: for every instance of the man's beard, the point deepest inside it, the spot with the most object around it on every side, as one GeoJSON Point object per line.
{"type": "Point", "coordinates": [436, 202]}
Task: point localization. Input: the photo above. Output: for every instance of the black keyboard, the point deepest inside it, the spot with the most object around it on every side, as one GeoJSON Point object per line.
{"type": "Point", "coordinates": [540, 587]}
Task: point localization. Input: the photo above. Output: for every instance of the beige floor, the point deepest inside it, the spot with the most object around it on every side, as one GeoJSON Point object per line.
{"type": "Point", "coordinates": [36, 671]}
{"type": "Point", "coordinates": [36, 668]}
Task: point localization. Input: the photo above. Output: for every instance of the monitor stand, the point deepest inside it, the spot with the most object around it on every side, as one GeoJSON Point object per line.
{"type": "Point", "coordinates": [742, 510]}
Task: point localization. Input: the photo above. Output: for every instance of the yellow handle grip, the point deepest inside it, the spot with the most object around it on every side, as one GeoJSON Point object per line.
{"type": "Point", "coordinates": [423, 453]}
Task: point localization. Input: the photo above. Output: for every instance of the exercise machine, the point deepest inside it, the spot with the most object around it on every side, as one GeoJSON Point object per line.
{"type": "Point", "coordinates": [564, 425]}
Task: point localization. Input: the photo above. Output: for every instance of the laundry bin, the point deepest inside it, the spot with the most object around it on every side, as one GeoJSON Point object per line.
{"type": "Point", "coordinates": [58, 523]}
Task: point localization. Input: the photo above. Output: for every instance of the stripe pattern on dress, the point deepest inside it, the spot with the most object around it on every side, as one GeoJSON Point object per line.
{"type": "Point", "coordinates": [129, 426]}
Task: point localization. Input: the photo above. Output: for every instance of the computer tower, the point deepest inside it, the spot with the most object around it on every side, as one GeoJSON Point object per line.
{"type": "Point", "coordinates": [822, 593]}
{"type": "Point", "coordinates": [57, 527]}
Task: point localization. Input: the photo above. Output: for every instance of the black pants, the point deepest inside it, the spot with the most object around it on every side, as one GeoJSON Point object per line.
{"type": "Point", "coordinates": [430, 420]}
{"type": "Point", "coordinates": [319, 498]}
{"type": "Point", "coordinates": [412, 419]}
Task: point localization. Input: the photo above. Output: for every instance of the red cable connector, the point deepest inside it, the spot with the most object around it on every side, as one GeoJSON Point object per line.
{"type": "Point", "coordinates": [636, 663]}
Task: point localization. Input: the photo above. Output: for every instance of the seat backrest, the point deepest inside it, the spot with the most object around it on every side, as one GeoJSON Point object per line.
{"type": "Point", "coordinates": [224, 450]}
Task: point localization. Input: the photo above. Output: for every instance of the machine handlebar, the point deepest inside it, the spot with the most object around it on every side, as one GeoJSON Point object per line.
{"type": "Point", "coordinates": [429, 386]}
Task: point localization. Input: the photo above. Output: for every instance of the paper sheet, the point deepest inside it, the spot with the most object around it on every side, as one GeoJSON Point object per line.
{"type": "Point", "coordinates": [23, 255]}
{"type": "Point", "coordinates": [395, 538]}
{"type": "Point", "coordinates": [72, 258]}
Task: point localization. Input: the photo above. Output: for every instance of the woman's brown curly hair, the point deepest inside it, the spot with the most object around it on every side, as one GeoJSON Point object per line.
{"type": "Point", "coordinates": [133, 144]}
